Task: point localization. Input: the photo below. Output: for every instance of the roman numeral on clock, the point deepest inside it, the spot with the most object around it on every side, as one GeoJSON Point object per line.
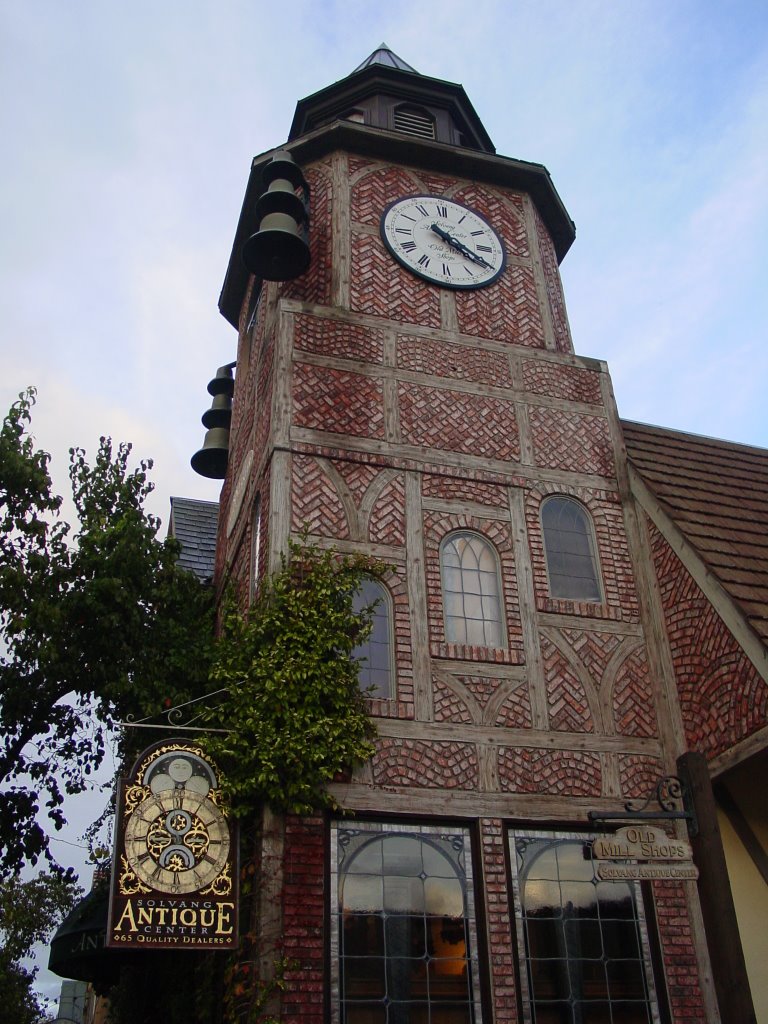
{"type": "Point", "coordinates": [408, 246]}
{"type": "Point", "coordinates": [424, 260]}
{"type": "Point", "coordinates": [442, 211]}
{"type": "Point", "coordinates": [422, 210]}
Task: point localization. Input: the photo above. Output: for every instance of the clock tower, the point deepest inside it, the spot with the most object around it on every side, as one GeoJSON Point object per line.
{"type": "Point", "coordinates": [414, 394]}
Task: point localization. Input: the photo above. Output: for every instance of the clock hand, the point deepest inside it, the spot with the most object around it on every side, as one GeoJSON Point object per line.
{"type": "Point", "coordinates": [460, 247]}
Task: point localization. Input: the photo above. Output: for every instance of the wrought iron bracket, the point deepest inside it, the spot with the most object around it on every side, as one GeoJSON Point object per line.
{"type": "Point", "coordinates": [175, 717]}
{"type": "Point", "coordinates": [672, 798]}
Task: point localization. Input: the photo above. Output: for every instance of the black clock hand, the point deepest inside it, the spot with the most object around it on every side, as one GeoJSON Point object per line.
{"type": "Point", "coordinates": [460, 247]}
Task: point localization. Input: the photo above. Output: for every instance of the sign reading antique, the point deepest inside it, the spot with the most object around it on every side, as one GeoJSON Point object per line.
{"type": "Point", "coordinates": [663, 857]}
{"type": "Point", "coordinates": [174, 874]}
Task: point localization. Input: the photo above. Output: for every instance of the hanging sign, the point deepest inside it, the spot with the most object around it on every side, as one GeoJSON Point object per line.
{"type": "Point", "coordinates": [663, 857]}
{"type": "Point", "coordinates": [174, 872]}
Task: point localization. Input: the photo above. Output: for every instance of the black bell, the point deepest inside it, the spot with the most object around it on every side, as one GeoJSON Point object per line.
{"type": "Point", "coordinates": [279, 250]}
{"type": "Point", "coordinates": [211, 460]}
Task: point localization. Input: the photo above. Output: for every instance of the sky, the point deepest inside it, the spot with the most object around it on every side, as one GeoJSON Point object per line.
{"type": "Point", "coordinates": [128, 131]}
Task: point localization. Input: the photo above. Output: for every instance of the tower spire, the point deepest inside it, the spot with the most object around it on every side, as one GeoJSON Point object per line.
{"type": "Point", "coordinates": [387, 58]}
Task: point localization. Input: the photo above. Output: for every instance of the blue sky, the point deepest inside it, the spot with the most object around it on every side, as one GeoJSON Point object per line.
{"type": "Point", "coordinates": [128, 132]}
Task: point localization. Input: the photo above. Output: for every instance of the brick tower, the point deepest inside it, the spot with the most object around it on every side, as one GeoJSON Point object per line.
{"type": "Point", "coordinates": [415, 395]}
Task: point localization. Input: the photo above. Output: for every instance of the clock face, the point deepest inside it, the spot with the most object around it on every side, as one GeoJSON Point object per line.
{"type": "Point", "coordinates": [177, 841]}
{"type": "Point", "coordinates": [443, 242]}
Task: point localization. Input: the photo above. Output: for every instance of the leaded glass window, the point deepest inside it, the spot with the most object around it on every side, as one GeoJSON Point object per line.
{"type": "Point", "coordinates": [374, 656]}
{"type": "Point", "coordinates": [583, 941]}
{"type": "Point", "coordinates": [471, 591]}
{"type": "Point", "coordinates": [570, 550]}
{"type": "Point", "coordinates": [404, 926]}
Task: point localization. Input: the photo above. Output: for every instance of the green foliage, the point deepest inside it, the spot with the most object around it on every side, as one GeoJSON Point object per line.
{"type": "Point", "coordinates": [95, 623]}
{"type": "Point", "coordinates": [29, 911]}
{"type": "Point", "coordinates": [294, 710]}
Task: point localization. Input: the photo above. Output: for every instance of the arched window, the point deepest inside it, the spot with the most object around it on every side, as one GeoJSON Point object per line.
{"type": "Point", "coordinates": [570, 549]}
{"type": "Point", "coordinates": [375, 655]}
{"type": "Point", "coordinates": [471, 591]}
{"type": "Point", "coordinates": [404, 926]}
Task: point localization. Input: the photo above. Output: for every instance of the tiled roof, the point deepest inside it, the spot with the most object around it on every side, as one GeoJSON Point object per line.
{"type": "Point", "coordinates": [716, 493]}
{"type": "Point", "coordinates": [194, 525]}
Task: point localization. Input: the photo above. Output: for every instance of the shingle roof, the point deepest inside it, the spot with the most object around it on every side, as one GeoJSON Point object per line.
{"type": "Point", "coordinates": [194, 525]}
{"type": "Point", "coordinates": [716, 493]}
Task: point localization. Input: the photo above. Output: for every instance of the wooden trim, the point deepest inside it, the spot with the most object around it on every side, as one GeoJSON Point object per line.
{"type": "Point", "coordinates": [754, 744]}
{"type": "Point", "coordinates": [743, 829]}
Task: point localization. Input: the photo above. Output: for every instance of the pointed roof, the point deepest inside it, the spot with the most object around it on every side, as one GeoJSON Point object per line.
{"type": "Point", "coordinates": [386, 58]}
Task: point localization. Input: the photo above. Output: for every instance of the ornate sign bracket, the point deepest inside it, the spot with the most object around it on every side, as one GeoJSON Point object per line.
{"type": "Point", "coordinates": [175, 717]}
{"type": "Point", "coordinates": [672, 799]}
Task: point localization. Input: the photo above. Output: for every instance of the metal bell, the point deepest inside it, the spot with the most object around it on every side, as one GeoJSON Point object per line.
{"type": "Point", "coordinates": [211, 460]}
{"type": "Point", "coordinates": [279, 250]}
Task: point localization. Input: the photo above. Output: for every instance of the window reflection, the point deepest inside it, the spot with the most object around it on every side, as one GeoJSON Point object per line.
{"type": "Point", "coordinates": [374, 657]}
{"type": "Point", "coordinates": [570, 552]}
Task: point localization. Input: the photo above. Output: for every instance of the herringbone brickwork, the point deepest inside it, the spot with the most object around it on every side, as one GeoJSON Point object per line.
{"type": "Point", "coordinates": [438, 418]}
{"type": "Point", "coordinates": [315, 503]}
{"type": "Point", "coordinates": [381, 287]}
{"type": "Point", "coordinates": [454, 488]}
{"type": "Point", "coordinates": [556, 380]}
{"type": "Point", "coordinates": [337, 401]}
{"type": "Point", "coordinates": [358, 476]}
{"type": "Point", "coordinates": [315, 284]}
{"type": "Point", "coordinates": [373, 192]}
{"type": "Point", "coordinates": [327, 337]}
{"type": "Point", "coordinates": [554, 285]}
{"type": "Point", "coordinates": [562, 772]}
{"type": "Point", "coordinates": [504, 211]}
{"type": "Point", "coordinates": [566, 698]}
{"type": "Point", "coordinates": [723, 699]}
{"type": "Point", "coordinates": [634, 711]}
{"type": "Point", "coordinates": [571, 441]}
{"type": "Point", "coordinates": [507, 310]}
{"type": "Point", "coordinates": [387, 520]}
{"type": "Point", "coordinates": [459, 362]}
{"type": "Point", "coordinates": [403, 762]}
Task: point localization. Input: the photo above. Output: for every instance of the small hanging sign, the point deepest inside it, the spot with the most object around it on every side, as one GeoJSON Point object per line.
{"type": "Point", "coordinates": [174, 871]}
{"type": "Point", "coordinates": [663, 857]}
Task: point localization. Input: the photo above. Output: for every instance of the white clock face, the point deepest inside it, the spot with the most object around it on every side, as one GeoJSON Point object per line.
{"type": "Point", "coordinates": [177, 841]}
{"type": "Point", "coordinates": [443, 242]}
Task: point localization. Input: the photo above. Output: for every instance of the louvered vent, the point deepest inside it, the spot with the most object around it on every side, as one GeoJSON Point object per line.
{"type": "Point", "coordinates": [414, 122]}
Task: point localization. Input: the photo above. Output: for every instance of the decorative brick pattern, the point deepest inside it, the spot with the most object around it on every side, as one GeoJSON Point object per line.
{"type": "Point", "coordinates": [639, 774]}
{"type": "Point", "coordinates": [554, 287]}
{"type": "Point", "coordinates": [503, 211]}
{"type": "Point", "coordinates": [459, 362]}
{"type": "Point", "coordinates": [387, 521]}
{"type": "Point", "coordinates": [505, 311]}
{"type": "Point", "coordinates": [557, 380]}
{"type": "Point", "coordinates": [453, 488]}
{"type": "Point", "coordinates": [436, 185]}
{"type": "Point", "coordinates": [315, 284]}
{"type": "Point", "coordinates": [449, 707]}
{"type": "Point", "coordinates": [326, 337]}
{"type": "Point", "coordinates": [438, 418]}
{"type": "Point", "coordinates": [500, 926]}
{"type": "Point", "coordinates": [381, 287]}
{"type": "Point", "coordinates": [315, 503]}
{"type": "Point", "coordinates": [401, 762]}
{"type": "Point", "coordinates": [304, 920]}
{"type": "Point", "coordinates": [561, 772]}
{"type": "Point", "coordinates": [436, 526]}
{"type": "Point", "coordinates": [594, 650]}
{"type": "Point", "coordinates": [679, 953]}
{"type": "Point", "coordinates": [634, 711]}
{"type": "Point", "coordinates": [374, 191]}
{"type": "Point", "coordinates": [566, 699]}
{"type": "Point", "coordinates": [570, 441]}
{"type": "Point", "coordinates": [723, 699]}
{"type": "Point", "coordinates": [337, 401]}
{"type": "Point", "coordinates": [358, 476]}
{"type": "Point", "coordinates": [615, 568]}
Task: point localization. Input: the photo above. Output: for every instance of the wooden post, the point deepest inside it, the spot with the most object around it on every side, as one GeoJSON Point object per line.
{"type": "Point", "coordinates": [728, 967]}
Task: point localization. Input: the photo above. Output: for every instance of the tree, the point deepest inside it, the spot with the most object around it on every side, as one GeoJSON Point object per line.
{"type": "Point", "coordinates": [29, 911]}
{"type": "Point", "coordinates": [96, 622]}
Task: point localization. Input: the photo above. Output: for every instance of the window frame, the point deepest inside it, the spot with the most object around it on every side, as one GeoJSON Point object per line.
{"type": "Point", "coordinates": [503, 644]}
{"type": "Point", "coordinates": [471, 901]}
{"type": "Point", "coordinates": [386, 600]}
{"type": "Point", "coordinates": [593, 550]}
{"type": "Point", "coordinates": [655, 987]}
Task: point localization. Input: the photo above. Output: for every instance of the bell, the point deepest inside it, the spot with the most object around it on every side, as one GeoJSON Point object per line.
{"type": "Point", "coordinates": [279, 250]}
{"type": "Point", "coordinates": [211, 460]}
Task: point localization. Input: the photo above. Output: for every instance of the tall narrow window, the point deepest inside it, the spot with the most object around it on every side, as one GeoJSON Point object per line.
{"type": "Point", "coordinates": [583, 941]}
{"type": "Point", "coordinates": [403, 926]}
{"type": "Point", "coordinates": [570, 550]}
{"type": "Point", "coordinates": [375, 655]}
{"type": "Point", "coordinates": [471, 591]}
{"type": "Point", "coordinates": [255, 545]}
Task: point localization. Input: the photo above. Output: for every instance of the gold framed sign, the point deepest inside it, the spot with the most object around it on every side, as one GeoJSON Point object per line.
{"type": "Point", "coordinates": [174, 871]}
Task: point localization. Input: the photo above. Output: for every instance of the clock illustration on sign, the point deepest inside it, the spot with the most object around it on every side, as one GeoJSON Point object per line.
{"type": "Point", "coordinates": [177, 839]}
{"type": "Point", "coordinates": [443, 242]}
